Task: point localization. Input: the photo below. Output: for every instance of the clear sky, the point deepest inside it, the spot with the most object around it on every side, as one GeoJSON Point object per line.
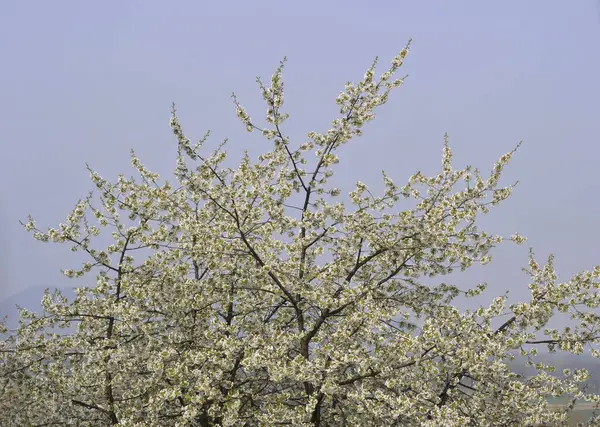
{"type": "Point", "coordinates": [86, 81]}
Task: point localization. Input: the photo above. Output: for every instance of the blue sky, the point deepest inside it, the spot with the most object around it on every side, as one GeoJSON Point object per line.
{"type": "Point", "coordinates": [86, 81]}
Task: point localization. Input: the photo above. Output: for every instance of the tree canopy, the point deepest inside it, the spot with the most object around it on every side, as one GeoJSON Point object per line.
{"type": "Point", "coordinates": [261, 296]}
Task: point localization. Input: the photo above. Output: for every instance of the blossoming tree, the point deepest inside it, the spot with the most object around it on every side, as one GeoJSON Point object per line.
{"type": "Point", "coordinates": [264, 300]}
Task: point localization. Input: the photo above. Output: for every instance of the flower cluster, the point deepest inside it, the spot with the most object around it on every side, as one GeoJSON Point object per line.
{"type": "Point", "coordinates": [247, 297]}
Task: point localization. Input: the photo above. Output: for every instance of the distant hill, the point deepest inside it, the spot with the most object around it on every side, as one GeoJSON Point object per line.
{"type": "Point", "coordinates": [30, 299]}
{"type": "Point", "coordinates": [563, 360]}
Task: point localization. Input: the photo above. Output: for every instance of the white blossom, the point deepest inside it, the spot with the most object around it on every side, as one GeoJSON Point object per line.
{"type": "Point", "coordinates": [246, 296]}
